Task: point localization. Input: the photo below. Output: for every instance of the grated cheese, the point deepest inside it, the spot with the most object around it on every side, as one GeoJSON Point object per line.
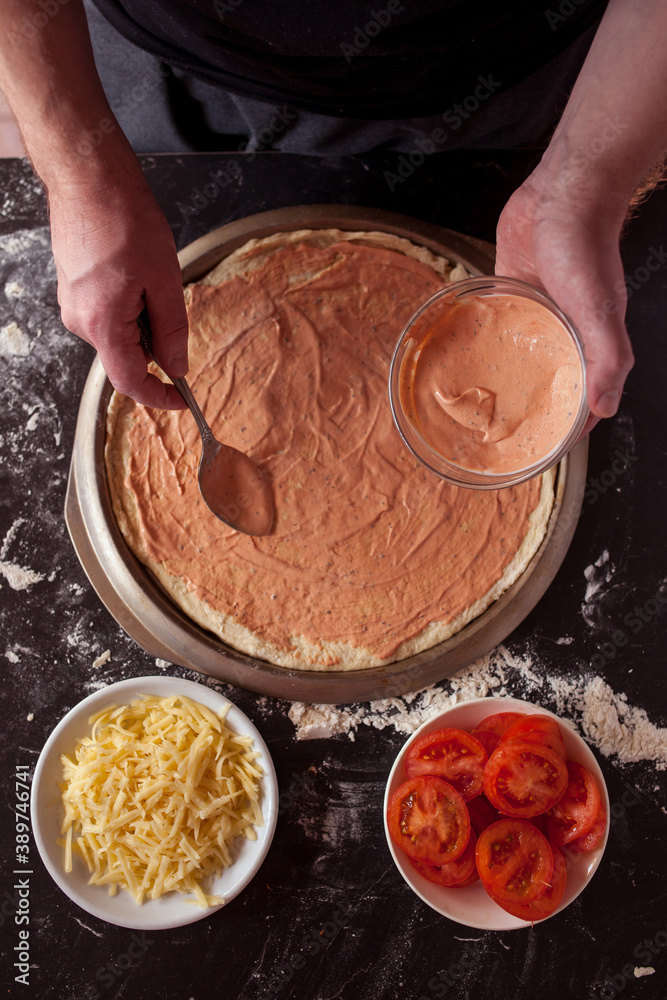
{"type": "Point", "coordinates": [156, 796]}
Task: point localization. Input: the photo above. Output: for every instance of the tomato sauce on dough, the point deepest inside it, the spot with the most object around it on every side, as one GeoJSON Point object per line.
{"type": "Point", "coordinates": [290, 363]}
{"type": "Point", "coordinates": [493, 383]}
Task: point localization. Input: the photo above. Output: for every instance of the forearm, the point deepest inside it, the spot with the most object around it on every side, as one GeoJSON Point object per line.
{"type": "Point", "coordinates": [561, 228]}
{"type": "Point", "coordinates": [49, 78]}
{"type": "Point", "coordinates": [614, 127]}
{"type": "Point", "coordinates": [113, 249]}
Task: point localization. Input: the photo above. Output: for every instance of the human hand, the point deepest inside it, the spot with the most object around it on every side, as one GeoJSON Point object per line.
{"type": "Point", "coordinates": [562, 236]}
{"type": "Point", "coordinates": [114, 252]}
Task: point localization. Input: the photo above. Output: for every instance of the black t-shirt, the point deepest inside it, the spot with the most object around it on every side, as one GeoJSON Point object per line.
{"type": "Point", "coordinates": [354, 58]}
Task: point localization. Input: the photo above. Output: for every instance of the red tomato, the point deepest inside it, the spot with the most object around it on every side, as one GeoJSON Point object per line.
{"type": "Point", "coordinates": [452, 872]}
{"type": "Point", "coordinates": [451, 754]}
{"type": "Point", "coordinates": [537, 729]}
{"type": "Point", "coordinates": [524, 779]}
{"type": "Point", "coordinates": [575, 813]}
{"type": "Point", "coordinates": [428, 819]}
{"type": "Point", "coordinates": [481, 813]}
{"type": "Point", "coordinates": [514, 861]}
{"type": "Point", "coordinates": [488, 739]}
{"type": "Point", "coordinates": [589, 841]}
{"type": "Point", "coordinates": [472, 878]}
{"type": "Point", "coordinates": [549, 901]}
{"type": "Point", "coordinates": [498, 723]}
{"type": "Point", "coordinates": [541, 823]}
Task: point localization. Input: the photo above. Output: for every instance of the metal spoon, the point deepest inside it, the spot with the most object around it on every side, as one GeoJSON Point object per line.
{"type": "Point", "coordinates": [233, 487]}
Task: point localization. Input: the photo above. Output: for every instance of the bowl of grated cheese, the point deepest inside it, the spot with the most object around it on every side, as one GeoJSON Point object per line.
{"type": "Point", "coordinates": [154, 802]}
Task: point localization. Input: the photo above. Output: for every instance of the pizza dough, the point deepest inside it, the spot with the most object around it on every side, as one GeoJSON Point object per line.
{"type": "Point", "coordinates": [372, 558]}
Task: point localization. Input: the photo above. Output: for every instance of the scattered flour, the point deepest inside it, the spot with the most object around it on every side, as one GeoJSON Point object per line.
{"type": "Point", "coordinates": [83, 637]}
{"type": "Point", "coordinates": [16, 244]}
{"type": "Point", "coordinates": [616, 728]}
{"type": "Point", "coordinates": [18, 577]}
{"type": "Point", "coordinates": [597, 575]}
{"type": "Point", "coordinates": [162, 664]}
{"type": "Point", "coordinates": [33, 420]}
{"type": "Point", "coordinates": [102, 659]}
{"type": "Point", "coordinates": [604, 717]}
{"type": "Point", "coordinates": [96, 685]}
{"type": "Point", "coordinates": [10, 536]}
{"type": "Point", "coordinates": [13, 290]}
{"type": "Point", "coordinates": [405, 714]}
{"type": "Point", "coordinates": [14, 342]}
{"type": "Point", "coordinates": [87, 928]}
{"type": "Point", "coordinates": [317, 721]}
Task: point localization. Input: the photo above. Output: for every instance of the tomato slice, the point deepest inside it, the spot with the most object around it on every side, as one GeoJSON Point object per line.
{"type": "Point", "coordinates": [472, 878]}
{"type": "Point", "coordinates": [514, 861]}
{"type": "Point", "coordinates": [549, 901]}
{"type": "Point", "coordinates": [498, 723]}
{"type": "Point", "coordinates": [428, 819]}
{"type": "Point", "coordinates": [540, 822]}
{"type": "Point", "coordinates": [452, 872]}
{"type": "Point", "coordinates": [451, 754]}
{"type": "Point", "coordinates": [537, 728]}
{"type": "Point", "coordinates": [482, 813]}
{"type": "Point", "coordinates": [589, 841]}
{"type": "Point", "coordinates": [575, 813]}
{"type": "Point", "coordinates": [524, 779]}
{"type": "Point", "coordinates": [488, 739]}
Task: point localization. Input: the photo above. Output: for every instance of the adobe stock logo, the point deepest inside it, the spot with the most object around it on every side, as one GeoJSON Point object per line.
{"type": "Point", "coordinates": [380, 19]}
{"type": "Point", "coordinates": [32, 23]}
{"type": "Point", "coordinates": [199, 198]}
{"type": "Point", "coordinates": [426, 145]}
{"type": "Point", "coordinates": [224, 7]}
{"type": "Point", "coordinates": [565, 9]}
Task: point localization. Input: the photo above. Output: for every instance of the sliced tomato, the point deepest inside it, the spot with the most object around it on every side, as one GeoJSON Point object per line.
{"type": "Point", "coordinates": [549, 901]}
{"type": "Point", "coordinates": [472, 878]}
{"type": "Point", "coordinates": [537, 728]}
{"type": "Point", "coordinates": [524, 779]}
{"type": "Point", "coordinates": [452, 872]}
{"type": "Point", "coordinates": [488, 739]}
{"type": "Point", "coordinates": [575, 813]}
{"type": "Point", "coordinates": [451, 754]}
{"type": "Point", "coordinates": [540, 822]}
{"type": "Point", "coordinates": [589, 841]}
{"type": "Point", "coordinates": [482, 813]}
{"type": "Point", "coordinates": [498, 723]}
{"type": "Point", "coordinates": [514, 861]}
{"type": "Point", "coordinates": [428, 819]}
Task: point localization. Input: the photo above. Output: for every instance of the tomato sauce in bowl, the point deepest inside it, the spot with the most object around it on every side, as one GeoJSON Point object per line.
{"type": "Point", "coordinates": [488, 383]}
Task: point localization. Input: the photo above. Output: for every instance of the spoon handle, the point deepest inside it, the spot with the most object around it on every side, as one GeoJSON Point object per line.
{"type": "Point", "coordinates": [180, 383]}
{"type": "Point", "coordinates": [188, 395]}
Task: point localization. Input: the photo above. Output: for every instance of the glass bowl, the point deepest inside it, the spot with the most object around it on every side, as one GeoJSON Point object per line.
{"type": "Point", "coordinates": [535, 336]}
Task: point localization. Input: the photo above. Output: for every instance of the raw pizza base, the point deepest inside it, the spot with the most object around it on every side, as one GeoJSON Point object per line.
{"type": "Point", "coordinates": [301, 654]}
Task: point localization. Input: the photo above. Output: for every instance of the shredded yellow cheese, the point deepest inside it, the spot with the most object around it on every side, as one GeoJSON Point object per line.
{"type": "Point", "coordinates": [155, 797]}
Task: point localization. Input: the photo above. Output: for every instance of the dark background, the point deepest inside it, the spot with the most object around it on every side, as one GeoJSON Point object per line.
{"type": "Point", "coordinates": [329, 916]}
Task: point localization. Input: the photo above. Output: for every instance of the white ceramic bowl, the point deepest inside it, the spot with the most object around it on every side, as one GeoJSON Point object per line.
{"type": "Point", "coordinates": [171, 910]}
{"type": "Point", "coordinates": [472, 906]}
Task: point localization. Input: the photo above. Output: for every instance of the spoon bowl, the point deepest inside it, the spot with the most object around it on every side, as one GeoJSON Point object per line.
{"type": "Point", "coordinates": [233, 487]}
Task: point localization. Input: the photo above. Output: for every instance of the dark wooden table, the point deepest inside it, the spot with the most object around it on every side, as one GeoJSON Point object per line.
{"type": "Point", "coordinates": [329, 916]}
